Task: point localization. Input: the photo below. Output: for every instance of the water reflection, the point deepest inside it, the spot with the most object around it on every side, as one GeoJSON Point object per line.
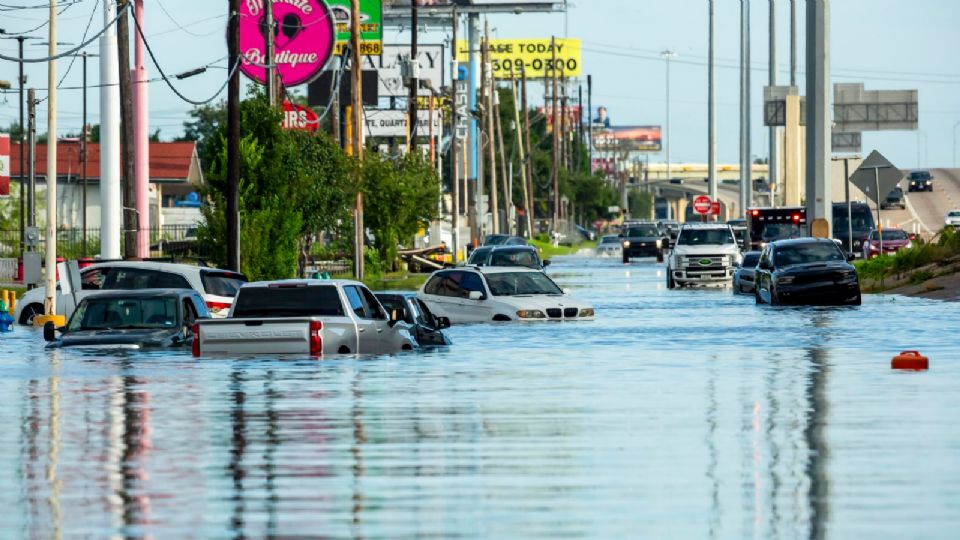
{"type": "Point", "coordinates": [676, 414]}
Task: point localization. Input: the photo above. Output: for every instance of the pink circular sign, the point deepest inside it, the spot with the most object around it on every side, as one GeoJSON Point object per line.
{"type": "Point", "coordinates": [304, 37]}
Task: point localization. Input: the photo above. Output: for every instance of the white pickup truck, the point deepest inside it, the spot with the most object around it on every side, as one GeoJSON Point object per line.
{"type": "Point", "coordinates": [704, 254]}
{"type": "Point", "coordinates": [304, 317]}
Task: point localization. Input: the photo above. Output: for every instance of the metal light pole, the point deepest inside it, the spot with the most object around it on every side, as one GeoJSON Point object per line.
{"type": "Point", "coordinates": [773, 158]}
{"type": "Point", "coordinates": [667, 55]}
{"type": "Point", "coordinates": [793, 42]}
{"type": "Point", "coordinates": [22, 141]}
{"type": "Point", "coordinates": [819, 136]}
{"type": "Point", "coordinates": [712, 109]}
{"type": "Point", "coordinates": [746, 180]}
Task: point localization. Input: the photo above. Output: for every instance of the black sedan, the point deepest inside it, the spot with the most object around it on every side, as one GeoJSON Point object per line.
{"type": "Point", "coordinates": [131, 320]}
{"type": "Point", "coordinates": [426, 328]}
{"type": "Point", "coordinates": [806, 271]}
{"type": "Point", "coordinates": [744, 276]}
{"type": "Point", "coordinates": [644, 240]}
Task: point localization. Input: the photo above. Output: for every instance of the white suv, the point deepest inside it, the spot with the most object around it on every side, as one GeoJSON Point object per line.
{"type": "Point", "coordinates": [703, 254]}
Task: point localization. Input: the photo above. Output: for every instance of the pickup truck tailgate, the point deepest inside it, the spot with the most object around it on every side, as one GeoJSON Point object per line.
{"type": "Point", "coordinates": [272, 336]}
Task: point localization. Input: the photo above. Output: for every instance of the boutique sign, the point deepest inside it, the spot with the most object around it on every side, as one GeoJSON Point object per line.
{"type": "Point", "coordinates": [304, 39]}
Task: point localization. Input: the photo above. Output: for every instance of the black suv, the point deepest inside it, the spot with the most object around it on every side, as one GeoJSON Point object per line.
{"type": "Point", "coordinates": [895, 199]}
{"type": "Point", "coordinates": [921, 181]}
{"type": "Point", "coordinates": [644, 239]}
{"type": "Point", "coordinates": [806, 271]}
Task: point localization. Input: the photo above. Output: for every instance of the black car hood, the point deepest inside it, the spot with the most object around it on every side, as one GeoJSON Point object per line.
{"type": "Point", "coordinates": [642, 238]}
{"type": "Point", "coordinates": [130, 336]}
{"type": "Point", "coordinates": [815, 267]}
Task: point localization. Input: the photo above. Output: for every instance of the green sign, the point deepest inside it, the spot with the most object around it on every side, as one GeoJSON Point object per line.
{"type": "Point", "coordinates": [371, 26]}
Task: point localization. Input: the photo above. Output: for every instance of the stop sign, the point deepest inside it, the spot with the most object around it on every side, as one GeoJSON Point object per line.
{"type": "Point", "coordinates": [702, 204]}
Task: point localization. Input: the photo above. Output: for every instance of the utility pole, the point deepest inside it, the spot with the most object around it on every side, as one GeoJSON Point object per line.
{"type": "Point", "coordinates": [111, 212]}
{"type": "Point", "coordinates": [819, 129]}
{"type": "Point", "coordinates": [712, 107]}
{"type": "Point", "coordinates": [746, 180]}
{"type": "Point", "coordinates": [356, 99]}
{"type": "Point", "coordinates": [474, 178]}
{"type": "Point", "coordinates": [31, 158]}
{"type": "Point", "coordinates": [667, 55]}
{"type": "Point", "coordinates": [590, 121]}
{"type": "Point", "coordinates": [556, 135]}
{"type": "Point", "coordinates": [83, 159]}
{"type": "Point", "coordinates": [50, 300]}
{"type": "Point", "coordinates": [414, 78]}
{"type": "Point", "coordinates": [773, 158]}
{"type": "Point", "coordinates": [23, 81]}
{"type": "Point", "coordinates": [130, 218]}
{"type": "Point", "coordinates": [793, 42]}
{"type": "Point", "coordinates": [578, 149]}
{"type": "Point", "coordinates": [491, 128]}
{"type": "Point", "coordinates": [455, 143]}
{"type": "Point", "coordinates": [233, 138]}
{"type": "Point", "coordinates": [526, 142]}
{"type": "Point", "coordinates": [527, 194]}
{"type": "Point", "coordinates": [270, 55]}
{"type": "Point", "coordinates": [141, 126]}
{"type": "Point", "coordinates": [505, 180]}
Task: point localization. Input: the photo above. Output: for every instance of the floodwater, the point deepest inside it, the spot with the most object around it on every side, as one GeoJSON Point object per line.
{"type": "Point", "coordinates": [677, 414]}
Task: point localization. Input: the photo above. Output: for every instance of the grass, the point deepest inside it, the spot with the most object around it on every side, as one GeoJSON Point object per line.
{"type": "Point", "coordinates": [547, 250]}
{"type": "Point", "coordinates": [911, 262]}
{"type": "Point", "coordinates": [397, 281]}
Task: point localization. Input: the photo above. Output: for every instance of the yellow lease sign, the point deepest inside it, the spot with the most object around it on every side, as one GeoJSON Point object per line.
{"type": "Point", "coordinates": [535, 56]}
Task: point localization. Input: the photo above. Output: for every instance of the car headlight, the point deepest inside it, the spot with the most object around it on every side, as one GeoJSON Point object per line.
{"type": "Point", "coordinates": [659, 244]}
{"type": "Point", "coordinates": [785, 280]}
{"type": "Point", "coordinates": [849, 275]}
{"type": "Point", "coordinates": [857, 243]}
{"type": "Point", "coordinates": [873, 247]}
{"type": "Point", "coordinates": [626, 243]}
{"type": "Point", "coordinates": [586, 312]}
{"type": "Point", "coordinates": [531, 314]}
{"type": "Point", "coordinates": [909, 245]}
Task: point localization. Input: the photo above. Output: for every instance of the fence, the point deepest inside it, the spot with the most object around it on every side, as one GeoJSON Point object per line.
{"type": "Point", "coordinates": [170, 240]}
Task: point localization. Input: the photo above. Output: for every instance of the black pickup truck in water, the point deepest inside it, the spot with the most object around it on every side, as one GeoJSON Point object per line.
{"type": "Point", "coordinates": [644, 239]}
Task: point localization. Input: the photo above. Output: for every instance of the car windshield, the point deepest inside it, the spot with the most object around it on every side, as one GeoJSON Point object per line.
{"type": "Point", "coordinates": [919, 175]}
{"type": "Point", "coordinates": [890, 235]}
{"type": "Point", "coordinates": [807, 253]}
{"type": "Point", "coordinates": [610, 240]}
{"type": "Point", "coordinates": [638, 231]}
{"type": "Point", "coordinates": [955, 213]}
{"type": "Point", "coordinates": [495, 240]}
{"type": "Point", "coordinates": [289, 301]}
{"type": "Point", "coordinates": [525, 257]}
{"type": "Point", "coordinates": [520, 283]}
{"type": "Point", "coordinates": [222, 283]}
{"type": "Point", "coordinates": [124, 313]}
{"type": "Point", "coordinates": [750, 260]}
{"type": "Point", "coordinates": [780, 231]}
{"type": "Point", "coordinates": [705, 237]}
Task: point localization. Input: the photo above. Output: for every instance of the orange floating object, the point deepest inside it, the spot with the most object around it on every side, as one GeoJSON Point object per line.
{"type": "Point", "coordinates": [910, 360]}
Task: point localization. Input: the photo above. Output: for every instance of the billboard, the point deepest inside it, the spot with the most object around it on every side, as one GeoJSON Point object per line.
{"type": "Point", "coordinates": [534, 56]}
{"type": "Point", "coordinates": [393, 123]}
{"type": "Point", "coordinates": [572, 112]}
{"type": "Point", "coordinates": [505, 4]}
{"type": "Point", "coordinates": [628, 139]}
{"type": "Point", "coordinates": [389, 66]}
{"type": "Point", "coordinates": [371, 26]}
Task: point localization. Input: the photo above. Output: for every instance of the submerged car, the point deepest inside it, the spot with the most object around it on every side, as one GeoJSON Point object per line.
{"type": "Point", "coordinates": [644, 239]}
{"type": "Point", "coordinates": [609, 246]}
{"type": "Point", "coordinates": [503, 240]}
{"type": "Point", "coordinates": [886, 242]}
{"type": "Point", "coordinates": [806, 271]}
{"type": "Point", "coordinates": [484, 294]}
{"type": "Point", "coordinates": [131, 320]}
{"type": "Point", "coordinates": [525, 256]}
{"type": "Point", "coordinates": [424, 325]}
{"type": "Point", "coordinates": [744, 275]}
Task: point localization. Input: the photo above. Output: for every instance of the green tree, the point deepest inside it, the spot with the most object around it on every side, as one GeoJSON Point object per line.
{"type": "Point", "coordinates": [206, 121]}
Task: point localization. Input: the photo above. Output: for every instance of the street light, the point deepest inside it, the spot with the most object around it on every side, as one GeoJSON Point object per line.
{"type": "Point", "coordinates": [667, 55]}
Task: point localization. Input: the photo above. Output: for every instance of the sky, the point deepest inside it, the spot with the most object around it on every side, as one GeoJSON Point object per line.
{"type": "Point", "coordinates": [885, 44]}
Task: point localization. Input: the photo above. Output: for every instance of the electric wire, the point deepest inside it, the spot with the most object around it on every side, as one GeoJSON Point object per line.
{"type": "Point", "coordinates": [86, 30]}
{"type": "Point", "coordinates": [122, 11]}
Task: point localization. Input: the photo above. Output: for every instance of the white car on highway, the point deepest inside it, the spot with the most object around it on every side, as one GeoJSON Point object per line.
{"type": "Point", "coordinates": [705, 254]}
{"type": "Point", "coordinates": [471, 294]}
{"type": "Point", "coordinates": [609, 246]}
{"type": "Point", "coordinates": [952, 219]}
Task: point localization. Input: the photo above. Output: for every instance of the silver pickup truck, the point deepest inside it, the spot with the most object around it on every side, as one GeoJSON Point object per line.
{"type": "Point", "coordinates": [304, 317]}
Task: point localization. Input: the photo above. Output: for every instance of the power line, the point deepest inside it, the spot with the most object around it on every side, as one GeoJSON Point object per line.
{"type": "Point", "coordinates": [122, 11]}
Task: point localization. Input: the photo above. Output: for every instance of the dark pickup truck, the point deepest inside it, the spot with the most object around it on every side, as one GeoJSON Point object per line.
{"type": "Point", "coordinates": [644, 239]}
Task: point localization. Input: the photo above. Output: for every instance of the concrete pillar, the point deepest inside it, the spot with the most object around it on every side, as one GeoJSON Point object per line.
{"type": "Point", "coordinates": [682, 209]}
{"type": "Point", "coordinates": [819, 202]}
{"type": "Point", "coordinates": [110, 214]}
{"type": "Point", "coordinates": [792, 183]}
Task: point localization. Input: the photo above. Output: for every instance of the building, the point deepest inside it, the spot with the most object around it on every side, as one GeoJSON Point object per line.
{"type": "Point", "coordinates": [175, 178]}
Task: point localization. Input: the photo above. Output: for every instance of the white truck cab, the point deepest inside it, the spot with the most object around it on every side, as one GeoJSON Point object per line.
{"type": "Point", "coordinates": [704, 254]}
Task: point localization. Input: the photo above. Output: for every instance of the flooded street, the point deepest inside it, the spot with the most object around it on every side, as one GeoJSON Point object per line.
{"type": "Point", "coordinates": [676, 414]}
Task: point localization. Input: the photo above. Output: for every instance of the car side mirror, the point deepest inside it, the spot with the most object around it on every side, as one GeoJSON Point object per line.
{"type": "Point", "coordinates": [736, 264]}
{"type": "Point", "coordinates": [546, 263]}
{"type": "Point", "coordinates": [49, 331]}
{"type": "Point", "coordinates": [475, 295]}
{"type": "Point", "coordinates": [443, 323]}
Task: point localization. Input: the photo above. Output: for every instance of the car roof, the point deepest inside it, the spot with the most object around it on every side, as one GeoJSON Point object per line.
{"type": "Point", "coordinates": [706, 226]}
{"type": "Point", "coordinates": [404, 294]}
{"type": "Point", "coordinates": [297, 282]}
{"type": "Point", "coordinates": [800, 241]}
{"type": "Point", "coordinates": [496, 269]}
{"type": "Point", "coordinates": [142, 293]}
{"type": "Point", "coordinates": [151, 265]}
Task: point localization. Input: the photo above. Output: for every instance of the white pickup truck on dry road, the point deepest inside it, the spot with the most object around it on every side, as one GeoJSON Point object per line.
{"type": "Point", "coordinates": [303, 317]}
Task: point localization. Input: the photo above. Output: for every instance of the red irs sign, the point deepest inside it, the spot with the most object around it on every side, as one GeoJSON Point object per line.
{"type": "Point", "coordinates": [298, 117]}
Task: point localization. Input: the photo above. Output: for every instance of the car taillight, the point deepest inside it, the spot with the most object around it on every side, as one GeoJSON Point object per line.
{"type": "Point", "coordinates": [316, 342]}
{"type": "Point", "coordinates": [195, 346]}
{"type": "Point", "coordinates": [213, 306]}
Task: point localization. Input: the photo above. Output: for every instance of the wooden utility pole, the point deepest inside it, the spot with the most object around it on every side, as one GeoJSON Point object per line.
{"type": "Point", "coordinates": [556, 136]}
{"type": "Point", "coordinates": [491, 128]}
{"type": "Point", "coordinates": [526, 142]}
{"type": "Point", "coordinates": [130, 217]}
{"type": "Point", "coordinates": [414, 79]}
{"type": "Point", "coordinates": [356, 100]}
{"type": "Point", "coordinates": [454, 146]}
{"type": "Point", "coordinates": [527, 207]}
{"type": "Point", "coordinates": [504, 178]}
{"type": "Point", "coordinates": [233, 138]}
{"type": "Point", "coordinates": [270, 55]}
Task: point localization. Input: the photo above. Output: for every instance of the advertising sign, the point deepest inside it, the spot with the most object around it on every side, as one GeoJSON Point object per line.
{"type": "Point", "coordinates": [535, 56]}
{"type": "Point", "coordinates": [393, 123]}
{"type": "Point", "coordinates": [390, 63]}
{"type": "Point", "coordinates": [303, 43]}
{"type": "Point", "coordinates": [573, 116]}
{"type": "Point", "coordinates": [4, 165]}
{"type": "Point", "coordinates": [506, 4]}
{"type": "Point", "coordinates": [300, 118]}
{"type": "Point", "coordinates": [371, 26]}
{"type": "Point", "coordinates": [628, 139]}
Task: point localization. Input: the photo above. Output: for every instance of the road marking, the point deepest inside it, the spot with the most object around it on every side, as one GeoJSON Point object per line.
{"type": "Point", "coordinates": [913, 212]}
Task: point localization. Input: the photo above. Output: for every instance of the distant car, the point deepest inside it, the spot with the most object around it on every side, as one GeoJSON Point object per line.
{"type": "Point", "coordinates": [425, 327]}
{"type": "Point", "coordinates": [744, 275]}
{"type": "Point", "coordinates": [893, 241]}
{"type": "Point", "coordinates": [672, 227]}
{"type": "Point", "coordinates": [895, 199]}
{"type": "Point", "coordinates": [806, 271]}
{"type": "Point", "coordinates": [644, 239]}
{"type": "Point", "coordinates": [526, 256]}
{"type": "Point", "coordinates": [131, 319]}
{"type": "Point", "coordinates": [952, 219]}
{"type": "Point", "coordinates": [471, 295]}
{"type": "Point", "coordinates": [920, 181]}
{"type": "Point", "coordinates": [218, 287]}
{"type": "Point", "coordinates": [587, 234]}
{"type": "Point", "coordinates": [609, 246]}
{"type": "Point", "coordinates": [503, 240]}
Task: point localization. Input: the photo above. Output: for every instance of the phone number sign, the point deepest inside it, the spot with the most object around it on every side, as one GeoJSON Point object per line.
{"type": "Point", "coordinates": [534, 56]}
